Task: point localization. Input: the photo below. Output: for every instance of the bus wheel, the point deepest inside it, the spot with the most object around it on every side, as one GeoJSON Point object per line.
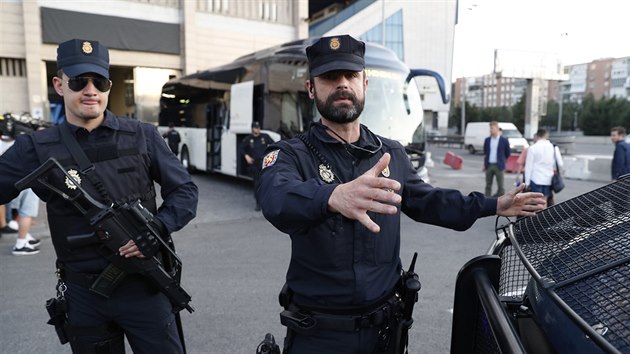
{"type": "Point", "coordinates": [471, 149]}
{"type": "Point", "coordinates": [185, 158]}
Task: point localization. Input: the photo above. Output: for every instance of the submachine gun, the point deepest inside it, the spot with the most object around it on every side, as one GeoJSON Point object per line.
{"type": "Point", "coordinates": [114, 226]}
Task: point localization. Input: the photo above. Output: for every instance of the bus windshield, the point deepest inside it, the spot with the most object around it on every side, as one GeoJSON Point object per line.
{"type": "Point", "coordinates": [392, 109]}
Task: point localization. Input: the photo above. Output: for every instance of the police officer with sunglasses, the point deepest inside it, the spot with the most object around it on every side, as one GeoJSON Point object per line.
{"type": "Point", "coordinates": [338, 190]}
{"type": "Point", "coordinates": [126, 157]}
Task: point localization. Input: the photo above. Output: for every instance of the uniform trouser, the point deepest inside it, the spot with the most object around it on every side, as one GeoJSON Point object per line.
{"type": "Point", "coordinates": [491, 172]}
{"type": "Point", "coordinates": [174, 148]}
{"type": "Point", "coordinates": [364, 341]}
{"type": "Point", "coordinates": [141, 311]}
{"type": "Point", "coordinates": [254, 171]}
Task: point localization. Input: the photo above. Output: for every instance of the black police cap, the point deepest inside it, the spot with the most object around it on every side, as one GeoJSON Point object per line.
{"type": "Point", "coordinates": [79, 56]}
{"type": "Point", "coordinates": [255, 124]}
{"type": "Point", "coordinates": [335, 53]}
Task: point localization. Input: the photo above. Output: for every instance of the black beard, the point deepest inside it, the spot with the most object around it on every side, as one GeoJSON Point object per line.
{"type": "Point", "coordinates": [345, 113]}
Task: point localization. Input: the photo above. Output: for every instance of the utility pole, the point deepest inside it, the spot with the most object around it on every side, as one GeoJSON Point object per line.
{"type": "Point", "coordinates": [463, 105]}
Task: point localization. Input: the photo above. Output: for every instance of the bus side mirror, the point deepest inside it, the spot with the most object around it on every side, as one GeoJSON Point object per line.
{"type": "Point", "coordinates": [440, 81]}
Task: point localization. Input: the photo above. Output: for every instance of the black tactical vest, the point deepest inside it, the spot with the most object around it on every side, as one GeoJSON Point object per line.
{"type": "Point", "coordinates": [122, 164]}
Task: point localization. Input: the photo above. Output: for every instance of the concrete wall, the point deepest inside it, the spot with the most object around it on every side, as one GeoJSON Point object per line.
{"type": "Point", "coordinates": [594, 166]}
{"type": "Point", "coordinates": [588, 167]}
{"type": "Point", "coordinates": [13, 97]}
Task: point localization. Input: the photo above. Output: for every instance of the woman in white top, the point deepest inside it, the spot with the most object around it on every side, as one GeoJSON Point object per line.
{"type": "Point", "coordinates": [541, 163]}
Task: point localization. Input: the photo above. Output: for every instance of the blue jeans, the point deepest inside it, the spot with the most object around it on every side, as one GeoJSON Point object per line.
{"type": "Point", "coordinates": [546, 190]}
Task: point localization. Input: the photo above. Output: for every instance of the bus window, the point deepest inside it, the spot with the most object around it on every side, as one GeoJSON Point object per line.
{"type": "Point", "coordinates": [307, 113]}
{"type": "Point", "coordinates": [290, 113]}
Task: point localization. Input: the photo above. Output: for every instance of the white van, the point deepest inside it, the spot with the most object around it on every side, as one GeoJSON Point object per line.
{"type": "Point", "coordinates": [477, 132]}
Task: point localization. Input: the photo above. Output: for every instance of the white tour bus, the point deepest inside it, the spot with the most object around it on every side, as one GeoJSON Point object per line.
{"type": "Point", "coordinates": [213, 109]}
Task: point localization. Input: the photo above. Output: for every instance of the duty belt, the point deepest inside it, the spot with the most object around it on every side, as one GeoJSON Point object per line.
{"type": "Point", "coordinates": [102, 283]}
{"type": "Point", "coordinates": [307, 321]}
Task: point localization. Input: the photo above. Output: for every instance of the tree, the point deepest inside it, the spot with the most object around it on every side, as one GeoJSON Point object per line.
{"type": "Point", "coordinates": [518, 112]}
{"type": "Point", "coordinates": [594, 117]}
{"type": "Point", "coordinates": [597, 117]}
{"type": "Point", "coordinates": [550, 120]}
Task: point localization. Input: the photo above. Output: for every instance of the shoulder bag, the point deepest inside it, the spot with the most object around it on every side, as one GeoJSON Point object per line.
{"type": "Point", "coordinates": [557, 183]}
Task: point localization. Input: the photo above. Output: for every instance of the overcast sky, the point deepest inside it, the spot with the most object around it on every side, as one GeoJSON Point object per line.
{"type": "Point", "coordinates": [575, 31]}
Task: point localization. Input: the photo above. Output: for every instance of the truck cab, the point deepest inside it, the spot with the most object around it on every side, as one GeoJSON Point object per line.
{"type": "Point", "coordinates": [557, 282]}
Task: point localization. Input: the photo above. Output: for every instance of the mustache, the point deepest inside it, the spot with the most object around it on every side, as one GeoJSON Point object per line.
{"type": "Point", "coordinates": [342, 94]}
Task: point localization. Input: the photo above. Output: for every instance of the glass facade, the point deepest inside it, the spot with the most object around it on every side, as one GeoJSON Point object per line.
{"type": "Point", "coordinates": [393, 34]}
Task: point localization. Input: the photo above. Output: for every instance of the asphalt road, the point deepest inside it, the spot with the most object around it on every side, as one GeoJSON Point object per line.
{"type": "Point", "coordinates": [234, 266]}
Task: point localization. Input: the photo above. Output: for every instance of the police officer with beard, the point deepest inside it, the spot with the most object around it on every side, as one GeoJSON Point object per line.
{"type": "Point", "coordinates": [128, 157]}
{"type": "Point", "coordinates": [338, 191]}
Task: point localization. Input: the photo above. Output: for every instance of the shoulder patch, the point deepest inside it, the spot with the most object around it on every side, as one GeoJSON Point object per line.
{"type": "Point", "coordinates": [270, 159]}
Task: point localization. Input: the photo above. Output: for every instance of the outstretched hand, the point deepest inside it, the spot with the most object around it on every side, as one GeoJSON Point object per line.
{"type": "Point", "coordinates": [515, 203]}
{"type": "Point", "coordinates": [368, 192]}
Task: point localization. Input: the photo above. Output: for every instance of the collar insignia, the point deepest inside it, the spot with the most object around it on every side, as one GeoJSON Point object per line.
{"type": "Point", "coordinates": [75, 176]}
{"type": "Point", "coordinates": [326, 173]}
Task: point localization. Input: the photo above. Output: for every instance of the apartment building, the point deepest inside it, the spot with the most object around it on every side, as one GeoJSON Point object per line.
{"type": "Point", "coordinates": [490, 90]}
{"type": "Point", "coordinates": [620, 78]}
{"type": "Point", "coordinates": [602, 78]}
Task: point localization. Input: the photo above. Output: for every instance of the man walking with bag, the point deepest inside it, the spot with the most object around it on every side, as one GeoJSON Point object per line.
{"type": "Point", "coordinates": [542, 159]}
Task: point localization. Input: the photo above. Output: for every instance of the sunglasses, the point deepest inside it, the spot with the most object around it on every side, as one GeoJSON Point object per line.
{"type": "Point", "coordinates": [78, 83]}
{"type": "Point", "coordinates": [363, 153]}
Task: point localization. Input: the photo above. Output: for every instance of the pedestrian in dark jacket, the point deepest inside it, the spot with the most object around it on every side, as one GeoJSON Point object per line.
{"type": "Point", "coordinates": [621, 157]}
{"type": "Point", "coordinates": [496, 149]}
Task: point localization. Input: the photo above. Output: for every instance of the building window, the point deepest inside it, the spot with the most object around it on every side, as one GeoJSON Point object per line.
{"type": "Point", "coordinates": [219, 5]}
{"type": "Point", "coordinates": [393, 34]}
{"type": "Point", "coordinates": [268, 11]}
{"type": "Point", "coordinates": [129, 92]}
{"type": "Point", "coordinates": [12, 67]}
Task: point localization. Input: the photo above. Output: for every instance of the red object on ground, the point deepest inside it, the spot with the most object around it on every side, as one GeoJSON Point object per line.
{"type": "Point", "coordinates": [510, 164]}
{"type": "Point", "coordinates": [453, 160]}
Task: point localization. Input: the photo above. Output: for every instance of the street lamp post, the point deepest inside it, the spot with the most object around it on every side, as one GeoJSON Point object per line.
{"type": "Point", "coordinates": [560, 112]}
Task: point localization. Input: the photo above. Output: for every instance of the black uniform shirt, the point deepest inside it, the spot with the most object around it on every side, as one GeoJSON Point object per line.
{"type": "Point", "coordinates": [177, 189]}
{"type": "Point", "coordinates": [255, 146]}
{"type": "Point", "coordinates": [336, 261]}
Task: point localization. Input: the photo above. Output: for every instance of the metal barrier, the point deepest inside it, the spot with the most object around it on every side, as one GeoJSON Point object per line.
{"type": "Point", "coordinates": [446, 140]}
